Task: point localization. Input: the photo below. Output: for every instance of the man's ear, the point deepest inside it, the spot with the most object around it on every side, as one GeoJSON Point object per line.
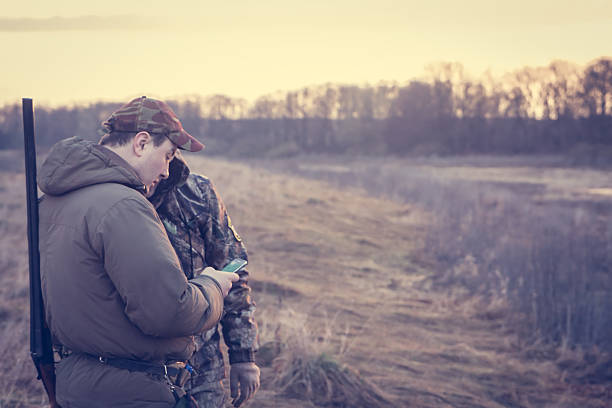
{"type": "Point", "coordinates": [139, 141]}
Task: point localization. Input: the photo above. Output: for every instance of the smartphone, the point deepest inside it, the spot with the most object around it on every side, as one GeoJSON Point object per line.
{"type": "Point", "coordinates": [235, 265]}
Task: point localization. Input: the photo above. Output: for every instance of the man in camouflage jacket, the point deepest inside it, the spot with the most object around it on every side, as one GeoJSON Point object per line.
{"type": "Point", "coordinates": [202, 235]}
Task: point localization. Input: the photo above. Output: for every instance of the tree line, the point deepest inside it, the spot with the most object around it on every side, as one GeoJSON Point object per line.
{"type": "Point", "coordinates": [552, 109]}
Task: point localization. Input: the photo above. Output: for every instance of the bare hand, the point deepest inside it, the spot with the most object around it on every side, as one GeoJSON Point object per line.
{"type": "Point", "coordinates": [244, 377]}
{"type": "Point", "coordinates": [224, 279]}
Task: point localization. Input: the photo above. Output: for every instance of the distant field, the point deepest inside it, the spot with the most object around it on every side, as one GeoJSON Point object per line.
{"type": "Point", "coordinates": [338, 272]}
{"type": "Point", "coordinates": [389, 176]}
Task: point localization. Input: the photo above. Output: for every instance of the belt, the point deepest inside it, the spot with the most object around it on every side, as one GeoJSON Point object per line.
{"type": "Point", "coordinates": [176, 374]}
{"type": "Point", "coordinates": [176, 369]}
{"type": "Point", "coordinates": [162, 370]}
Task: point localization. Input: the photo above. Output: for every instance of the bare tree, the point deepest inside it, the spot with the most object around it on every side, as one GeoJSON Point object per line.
{"type": "Point", "coordinates": [598, 87]}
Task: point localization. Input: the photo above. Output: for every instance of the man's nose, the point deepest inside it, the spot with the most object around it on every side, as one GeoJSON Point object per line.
{"type": "Point", "coordinates": [165, 173]}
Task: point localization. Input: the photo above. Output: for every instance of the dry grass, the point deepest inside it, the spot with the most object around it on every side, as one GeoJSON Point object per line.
{"type": "Point", "coordinates": [334, 276]}
{"type": "Point", "coordinates": [304, 363]}
{"type": "Point", "coordinates": [537, 236]}
{"type": "Point", "coordinates": [18, 381]}
{"type": "Point", "coordinates": [466, 223]}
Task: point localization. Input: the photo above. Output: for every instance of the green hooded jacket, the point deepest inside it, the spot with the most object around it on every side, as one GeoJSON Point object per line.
{"type": "Point", "coordinates": [112, 284]}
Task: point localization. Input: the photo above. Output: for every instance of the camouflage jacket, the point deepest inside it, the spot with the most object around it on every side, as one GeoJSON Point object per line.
{"type": "Point", "coordinates": [202, 235]}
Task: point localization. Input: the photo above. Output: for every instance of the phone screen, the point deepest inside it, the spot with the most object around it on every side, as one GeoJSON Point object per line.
{"type": "Point", "coordinates": [234, 265]}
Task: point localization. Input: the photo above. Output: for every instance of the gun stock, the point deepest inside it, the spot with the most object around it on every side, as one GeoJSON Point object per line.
{"type": "Point", "coordinates": [41, 349]}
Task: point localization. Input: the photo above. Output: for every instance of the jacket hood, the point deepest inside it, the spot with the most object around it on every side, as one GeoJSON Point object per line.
{"type": "Point", "coordinates": [178, 173]}
{"type": "Point", "coordinates": [75, 163]}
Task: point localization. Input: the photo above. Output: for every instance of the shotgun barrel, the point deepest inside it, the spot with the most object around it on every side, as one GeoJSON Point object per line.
{"type": "Point", "coordinates": [41, 349]}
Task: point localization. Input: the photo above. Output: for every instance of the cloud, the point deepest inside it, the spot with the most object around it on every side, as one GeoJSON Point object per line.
{"type": "Point", "coordinates": [81, 23]}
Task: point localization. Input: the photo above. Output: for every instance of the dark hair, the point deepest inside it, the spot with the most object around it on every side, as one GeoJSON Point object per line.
{"type": "Point", "coordinates": [115, 138]}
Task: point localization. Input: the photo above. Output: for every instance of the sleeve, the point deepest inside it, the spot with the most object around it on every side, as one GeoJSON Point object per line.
{"type": "Point", "coordinates": [222, 244]}
{"type": "Point", "coordinates": [144, 268]}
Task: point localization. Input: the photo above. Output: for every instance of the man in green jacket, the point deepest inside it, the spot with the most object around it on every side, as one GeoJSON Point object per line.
{"type": "Point", "coordinates": [202, 234]}
{"type": "Point", "coordinates": [114, 292]}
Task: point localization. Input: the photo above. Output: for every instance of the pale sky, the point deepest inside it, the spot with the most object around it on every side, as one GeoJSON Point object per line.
{"type": "Point", "coordinates": [65, 51]}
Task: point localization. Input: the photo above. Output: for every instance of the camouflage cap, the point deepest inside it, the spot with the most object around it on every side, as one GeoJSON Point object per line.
{"type": "Point", "coordinates": [153, 116]}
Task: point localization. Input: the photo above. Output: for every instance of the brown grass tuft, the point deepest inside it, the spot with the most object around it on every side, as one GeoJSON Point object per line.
{"type": "Point", "coordinates": [324, 381]}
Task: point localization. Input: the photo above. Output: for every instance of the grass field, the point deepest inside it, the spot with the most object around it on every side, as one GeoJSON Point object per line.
{"type": "Point", "coordinates": [344, 278]}
{"type": "Point", "coordinates": [532, 231]}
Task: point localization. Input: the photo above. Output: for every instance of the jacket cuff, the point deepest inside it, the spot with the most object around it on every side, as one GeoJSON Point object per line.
{"type": "Point", "coordinates": [241, 356]}
{"type": "Point", "coordinates": [213, 294]}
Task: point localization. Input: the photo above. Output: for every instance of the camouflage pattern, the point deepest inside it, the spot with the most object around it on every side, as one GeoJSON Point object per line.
{"type": "Point", "coordinates": [202, 234]}
{"type": "Point", "coordinates": [211, 395]}
{"type": "Point", "coordinates": [151, 115]}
